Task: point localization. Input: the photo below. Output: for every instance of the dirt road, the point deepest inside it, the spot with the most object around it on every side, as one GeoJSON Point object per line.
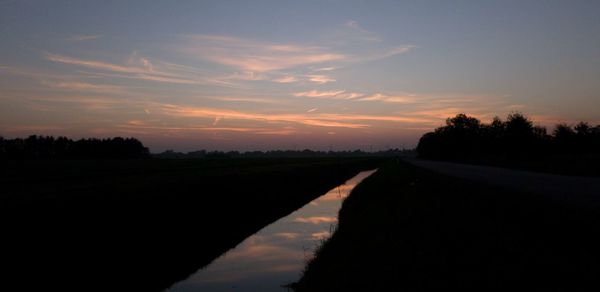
{"type": "Point", "coordinates": [580, 190]}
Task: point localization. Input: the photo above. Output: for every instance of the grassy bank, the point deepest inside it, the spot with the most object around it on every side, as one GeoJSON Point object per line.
{"type": "Point", "coordinates": [408, 229]}
{"type": "Point", "coordinates": [141, 225]}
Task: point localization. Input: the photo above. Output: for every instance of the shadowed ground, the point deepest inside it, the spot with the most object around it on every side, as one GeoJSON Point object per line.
{"type": "Point", "coordinates": [141, 225]}
{"type": "Point", "coordinates": [410, 229]}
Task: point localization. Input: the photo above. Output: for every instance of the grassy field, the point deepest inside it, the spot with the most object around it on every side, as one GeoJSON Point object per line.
{"type": "Point", "coordinates": [142, 225]}
{"type": "Point", "coordinates": [408, 229]}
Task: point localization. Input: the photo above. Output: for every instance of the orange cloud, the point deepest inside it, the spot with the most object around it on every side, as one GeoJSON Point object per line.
{"type": "Point", "coordinates": [312, 120]}
{"type": "Point", "coordinates": [351, 121]}
{"type": "Point", "coordinates": [325, 69]}
{"type": "Point", "coordinates": [319, 94]}
{"type": "Point", "coordinates": [247, 99]}
{"type": "Point", "coordinates": [322, 123]}
{"type": "Point", "coordinates": [284, 132]}
{"type": "Point", "coordinates": [334, 94]}
{"type": "Point", "coordinates": [320, 79]}
{"type": "Point", "coordinates": [286, 79]}
{"type": "Point", "coordinates": [389, 99]}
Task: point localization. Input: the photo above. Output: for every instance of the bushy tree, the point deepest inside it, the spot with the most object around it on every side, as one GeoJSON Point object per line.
{"type": "Point", "coordinates": [465, 138]}
{"type": "Point", "coordinates": [48, 147]}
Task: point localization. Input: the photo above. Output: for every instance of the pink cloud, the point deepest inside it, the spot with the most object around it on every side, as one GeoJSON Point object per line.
{"type": "Point", "coordinates": [256, 56]}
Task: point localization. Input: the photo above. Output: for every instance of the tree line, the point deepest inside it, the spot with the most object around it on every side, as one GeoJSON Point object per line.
{"type": "Point", "coordinates": [48, 147]}
{"type": "Point", "coordinates": [170, 154]}
{"type": "Point", "coordinates": [515, 141]}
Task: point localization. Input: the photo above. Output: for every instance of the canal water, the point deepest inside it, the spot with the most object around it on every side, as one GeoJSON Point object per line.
{"type": "Point", "coordinates": [277, 254]}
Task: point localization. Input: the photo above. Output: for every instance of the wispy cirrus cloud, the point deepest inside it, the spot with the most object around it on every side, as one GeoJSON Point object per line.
{"type": "Point", "coordinates": [204, 112]}
{"type": "Point", "coordinates": [253, 60]}
{"type": "Point", "coordinates": [67, 85]}
{"type": "Point", "coordinates": [53, 79]}
{"type": "Point", "coordinates": [331, 94]}
{"type": "Point", "coordinates": [350, 121]}
{"type": "Point", "coordinates": [139, 125]}
{"type": "Point", "coordinates": [138, 60]}
{"type": "Point", "coordinates": [358, 32]}
{"type": "Point", "coordinates": [389, 98]}
{"type": "Point", "coordinates": [418, 100]}
{"type": "Point", "coordinates": [349, 95]}
{"type": "Point", "coordinates": [84, 37]}
{"type": "Point", "coordinates": [386, 53]}
{"type": "Point", "coordinates": [251, 55]}
{"type": "Point", "coordinates": [350, 32]}
{"type": "Point", "coordinates": [320, 79]}
{"type": "Point", "coordinates": [136, 125]}
{"type": "Point", "coordinates": [319, 94]}
{"type": "Point", "coordinates": [258, 56]}
{"type": "Point", "coordinates": [246, 76]}
{"type": "Point", "coordinates": [140, 68]}
{"type": "Point", "coordinates": [325, 69]}
{"type": "Point", "coordinates": [94, 64]}
{"type": "Point", "coordinates": [286, 79]}
{"type": "Point", "coordinates": [83, 86]}
{"type": "Point", "coordinates": [248, 99]}
{"type": "Point", "coordinates": [314, 78]}
{"type": "Point", "coordinates": [78, 102]}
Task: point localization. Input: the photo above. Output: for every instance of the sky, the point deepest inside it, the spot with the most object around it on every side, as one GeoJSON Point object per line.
{"type": "Point", "coordinates": [260, 75]}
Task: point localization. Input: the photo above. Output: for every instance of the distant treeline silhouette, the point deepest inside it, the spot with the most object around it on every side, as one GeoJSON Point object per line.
{"type": "Point", "coordinates": [48, 147]}
{"type": "Point", "coordinates": [170, 154]}
{"type": "Point", "coordinates": [514, 142]}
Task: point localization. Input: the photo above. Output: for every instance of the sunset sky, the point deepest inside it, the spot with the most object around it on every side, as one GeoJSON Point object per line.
{"type": "Point", "coordinates": [258, 75]}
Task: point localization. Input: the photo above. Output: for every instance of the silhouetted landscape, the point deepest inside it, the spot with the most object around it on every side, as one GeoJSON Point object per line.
{"type": "Point", "coordinates": [416, 230]}
{"type": "Point", "coordinates": [216, 146]}
{"type": "Point", "coordinates": [48, 147]}
{"type": "Point", "coordinates": [515, 143]}
{"type": "Point", "coordinates": [143, 224]}
{"type": "Point", "coordinates": [106, 211]}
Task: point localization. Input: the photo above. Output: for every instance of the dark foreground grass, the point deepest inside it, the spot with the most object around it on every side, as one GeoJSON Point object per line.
{"type": "Point", "coordinates": [408, 229]}
{"type": "Point", "coordinates": [142, 225]}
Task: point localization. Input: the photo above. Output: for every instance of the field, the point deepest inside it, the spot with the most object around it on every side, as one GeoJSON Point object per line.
{"type": "Point", "coordinates": [144, 224]}
{"type": "Point", "coordinates": [409, 229]}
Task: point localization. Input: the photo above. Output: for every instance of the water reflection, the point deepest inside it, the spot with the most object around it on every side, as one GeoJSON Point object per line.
{"type": "Point", "coordinates": [277, 254]}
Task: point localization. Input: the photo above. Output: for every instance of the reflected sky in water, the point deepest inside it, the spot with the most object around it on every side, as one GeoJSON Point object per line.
{"type": "Point", "coordinates": [277, 254]}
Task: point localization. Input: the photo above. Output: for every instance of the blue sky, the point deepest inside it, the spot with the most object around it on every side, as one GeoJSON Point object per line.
{"type": "Point", "coordinates": [261, 75]}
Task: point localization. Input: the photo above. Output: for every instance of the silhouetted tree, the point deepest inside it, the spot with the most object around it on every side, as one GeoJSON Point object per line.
{"type": "Point", "coordinates": [47, 147]}
{"type": "Point", "coordinates": [459, 139]}
{"type": "Point", "coordinates": [515, 141]}
{"type": "Point", "coordinates": [564, 137]}
{"type": "Point", "coordinates": [170, 154]}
